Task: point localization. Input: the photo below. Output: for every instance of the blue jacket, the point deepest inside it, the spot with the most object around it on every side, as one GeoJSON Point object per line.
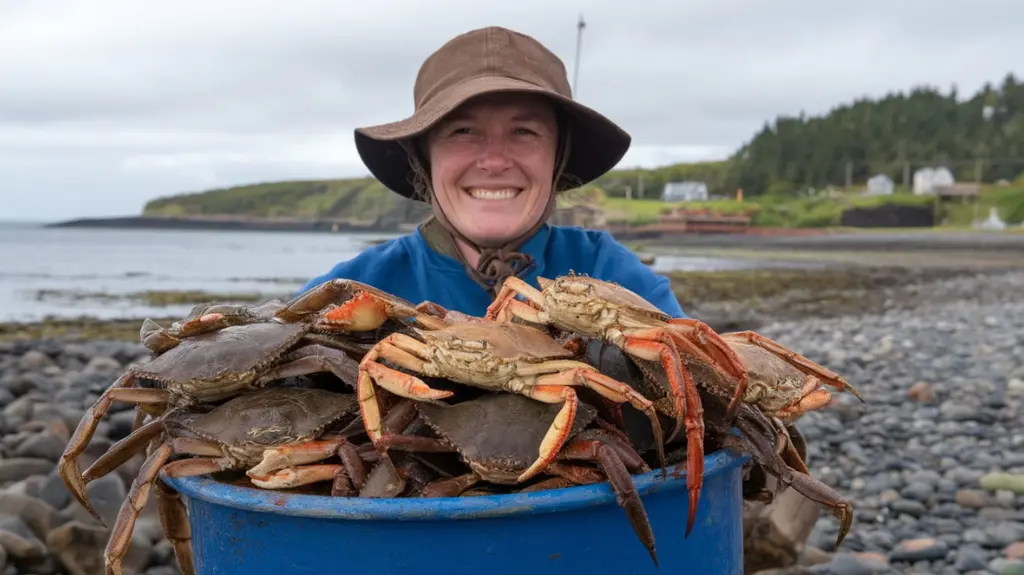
{"type": "Point", "coordinates": [408, 268]}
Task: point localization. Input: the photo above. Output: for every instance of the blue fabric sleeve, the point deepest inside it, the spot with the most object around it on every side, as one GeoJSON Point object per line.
{"type": "Point", "coordinates": [662, 296]}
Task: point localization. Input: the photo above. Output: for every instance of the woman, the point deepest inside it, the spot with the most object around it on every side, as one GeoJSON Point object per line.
{"type": "Point", "coordinates": [494, 137]}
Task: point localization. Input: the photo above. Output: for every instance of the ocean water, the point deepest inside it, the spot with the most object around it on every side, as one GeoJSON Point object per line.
{"type": "Point", "coordinates": [63, 272]}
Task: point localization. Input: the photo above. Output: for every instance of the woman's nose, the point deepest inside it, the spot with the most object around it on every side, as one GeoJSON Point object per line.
{"type": "Point", "coordinates": [494, 155]}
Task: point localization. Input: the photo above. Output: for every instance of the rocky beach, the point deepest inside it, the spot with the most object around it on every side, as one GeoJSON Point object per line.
{"type": "Point", "coordinates": [933, 462]}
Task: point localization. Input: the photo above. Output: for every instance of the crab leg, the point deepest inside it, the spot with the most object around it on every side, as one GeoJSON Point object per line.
{"type": "Point", "coordinates": [313, 358]}
{"type": "Point", "coordinates": [803, 483]}
{"type": "Point", "coordinates": [67, 466]}
{"type": "Point", "coordinates": [406, 352]}
{"type": "Point", "coordinates": [138, 496]}
{"type": "Point", "coordinates": [450, 487]}
{"type": "Point", "coordinates": [280, 457]}
{"type": "Point", "coordinates": [694, 337]}
{"type": "Point", "coordinates": [555, 392]}
{"type": "Point", "coordinates": [592, 447]}
{"type": "Point", "coordinates": [174, 518]}
{"type": "Point", "coordinates": [123, 450]}
{"type": "Point", "coordinates": [582, 374]}
{"type": "Point", "coordinates": [352, 472]}
{"type": "Point", "coordinates": [505, 299]}
{"type": "Point", "coordinates": [798, 361]}
{"type": "Point", "coordinates": [658, 345]}
{"type": "Point", "coordinates": [296, 476]}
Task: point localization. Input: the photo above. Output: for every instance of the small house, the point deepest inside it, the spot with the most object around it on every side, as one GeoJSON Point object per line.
{"type": "Point", "coordinates": [685, 192]}
{"type": "Point", "coordinates": [927, 180]}
{"type": "Point", "coordinates": [880, 185]}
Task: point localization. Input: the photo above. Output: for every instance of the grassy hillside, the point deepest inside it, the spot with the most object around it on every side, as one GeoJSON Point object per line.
{"type": "Point", "coordinates": [357, 200]}
{"type": "Point", "coordinates": [365, 200]}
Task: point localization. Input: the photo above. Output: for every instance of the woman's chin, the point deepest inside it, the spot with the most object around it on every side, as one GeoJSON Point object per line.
{"type": "Point", "coordinates": [493, 232]}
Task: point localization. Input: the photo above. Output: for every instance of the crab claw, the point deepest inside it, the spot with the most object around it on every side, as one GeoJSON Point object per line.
{"type": "Point", "coordinates": [406, 352]}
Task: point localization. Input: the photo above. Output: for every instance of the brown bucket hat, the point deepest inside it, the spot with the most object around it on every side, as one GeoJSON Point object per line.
{"type": "Point", "coordinates": [484, 61]}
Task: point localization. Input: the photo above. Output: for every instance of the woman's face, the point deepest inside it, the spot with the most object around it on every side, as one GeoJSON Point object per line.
{"type": "Point", "coordinates": [492, 163]}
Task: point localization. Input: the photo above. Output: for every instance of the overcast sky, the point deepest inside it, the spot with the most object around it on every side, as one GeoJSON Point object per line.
{"type": "Point", "coordinates": [105, 104]}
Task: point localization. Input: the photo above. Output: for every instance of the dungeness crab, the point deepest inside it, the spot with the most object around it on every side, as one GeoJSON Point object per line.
{"type": "Point", "coordinates": [206, 369]}
{"type": "Point", "coordinates": [496, 435]}
{"type": "Point", "coordinates": [272, 433]}
{"type": "Point", "coordinates": [599, 309]}
{"type": "Point", "coordinates": [493, 356]}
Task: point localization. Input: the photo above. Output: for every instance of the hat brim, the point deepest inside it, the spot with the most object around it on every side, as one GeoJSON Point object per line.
{"type": "Point", "coordinates": [598, 144]}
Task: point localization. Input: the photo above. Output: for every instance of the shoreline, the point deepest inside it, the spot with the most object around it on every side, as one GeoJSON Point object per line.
{"type": "Point", "coordinates": [728, 300]}
{"type": "Point", "coordinates": [812, 239]}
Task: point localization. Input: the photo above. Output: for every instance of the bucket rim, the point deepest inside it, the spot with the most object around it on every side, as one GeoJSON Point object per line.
{"type": "Point", "coordinates": [281, 502]}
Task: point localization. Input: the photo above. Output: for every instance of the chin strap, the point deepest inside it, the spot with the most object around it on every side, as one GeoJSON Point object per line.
{"type": "Point", "coordinates": [497, 262]}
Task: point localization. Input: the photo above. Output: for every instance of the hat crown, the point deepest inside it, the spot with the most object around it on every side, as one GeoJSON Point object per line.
{"type": "Point", "coordinates": [490, 52]}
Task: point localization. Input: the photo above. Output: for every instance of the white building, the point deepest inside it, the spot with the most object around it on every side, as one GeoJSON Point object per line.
{"type": "Point", "coordinates": [880, 185]}
{"type": "Point", "coordinates": [926, 180]}
{"type": "Point", "coordinates": [685, 192]}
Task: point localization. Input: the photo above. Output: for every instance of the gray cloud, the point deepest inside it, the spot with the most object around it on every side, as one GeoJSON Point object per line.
{"type": "Point", "coordinates": [108, 103]}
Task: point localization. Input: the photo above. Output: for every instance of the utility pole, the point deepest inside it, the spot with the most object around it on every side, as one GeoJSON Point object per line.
{"type": "Point", "coordinates": [579, 42]}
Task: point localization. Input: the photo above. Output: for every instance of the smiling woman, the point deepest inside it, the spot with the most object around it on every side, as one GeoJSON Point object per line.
{"type": "Point", "coordinates": [494, 137]}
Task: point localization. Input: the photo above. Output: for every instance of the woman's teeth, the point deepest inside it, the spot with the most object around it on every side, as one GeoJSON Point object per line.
{"type": "Point", "coordinates": [481, 194]}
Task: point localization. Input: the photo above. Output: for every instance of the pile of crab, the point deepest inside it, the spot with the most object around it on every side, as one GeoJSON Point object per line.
{"type": "Point", "coordinates": [347, 391]}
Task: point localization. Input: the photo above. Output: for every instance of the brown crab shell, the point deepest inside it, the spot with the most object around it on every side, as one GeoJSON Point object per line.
{"type": "Point", "coordinates": [507, 341]}
{"type": "Point", "coordinates": [605, 291]}
{"type": "Point", "coordinates": [248, 424]}
{"type": "Point", "coordinates": [221, 360]}
{"type": "Point", "coordinates": [499, 435]}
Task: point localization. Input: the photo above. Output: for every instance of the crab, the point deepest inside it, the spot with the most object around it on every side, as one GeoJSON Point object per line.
{"type": "Point", "coordinates": [337, 305]}
{"type": "Point", "coordinates": [599, 309]}
{"type": "Point", "coordinates": [496, 357]}
{"type": "Point", "coordinates": [271, 433]}
{"type": "Point", "coordinates": [496, 434]}
{"type": "Point", "coordinates": [781, 383]}
{"type": "Point", "coordinates": [206, 369]}
{"type": "Point", "coordinates": [203, 318]}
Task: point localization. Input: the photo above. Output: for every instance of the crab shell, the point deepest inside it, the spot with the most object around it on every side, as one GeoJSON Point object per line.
{"type": "Point", "coordinates": [591, 307]}
{"type": "Point", "coordinates": [219, 364]}
{"type": "Point", "coordinates": [487, 353]}
{"type": "Point", "coordinates": [498, 435]}
{"type": "Point", "coordinates": [246, 425]}
{"type": "Point", "coordinates": [772, 383]}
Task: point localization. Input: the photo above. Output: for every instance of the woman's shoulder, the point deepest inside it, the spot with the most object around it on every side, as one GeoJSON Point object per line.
{"type": "Point", "coordinates": [373, 265]}
{"type": "Point", "coordinates": [589, 245]}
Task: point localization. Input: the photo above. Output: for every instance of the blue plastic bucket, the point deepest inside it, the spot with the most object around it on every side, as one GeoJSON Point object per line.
{"type": "Point", "coordinates": [581, 529]}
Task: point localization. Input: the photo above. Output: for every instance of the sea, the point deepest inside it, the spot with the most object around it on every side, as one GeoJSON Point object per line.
{"type": "Point", "coordinates": [79, 272]}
